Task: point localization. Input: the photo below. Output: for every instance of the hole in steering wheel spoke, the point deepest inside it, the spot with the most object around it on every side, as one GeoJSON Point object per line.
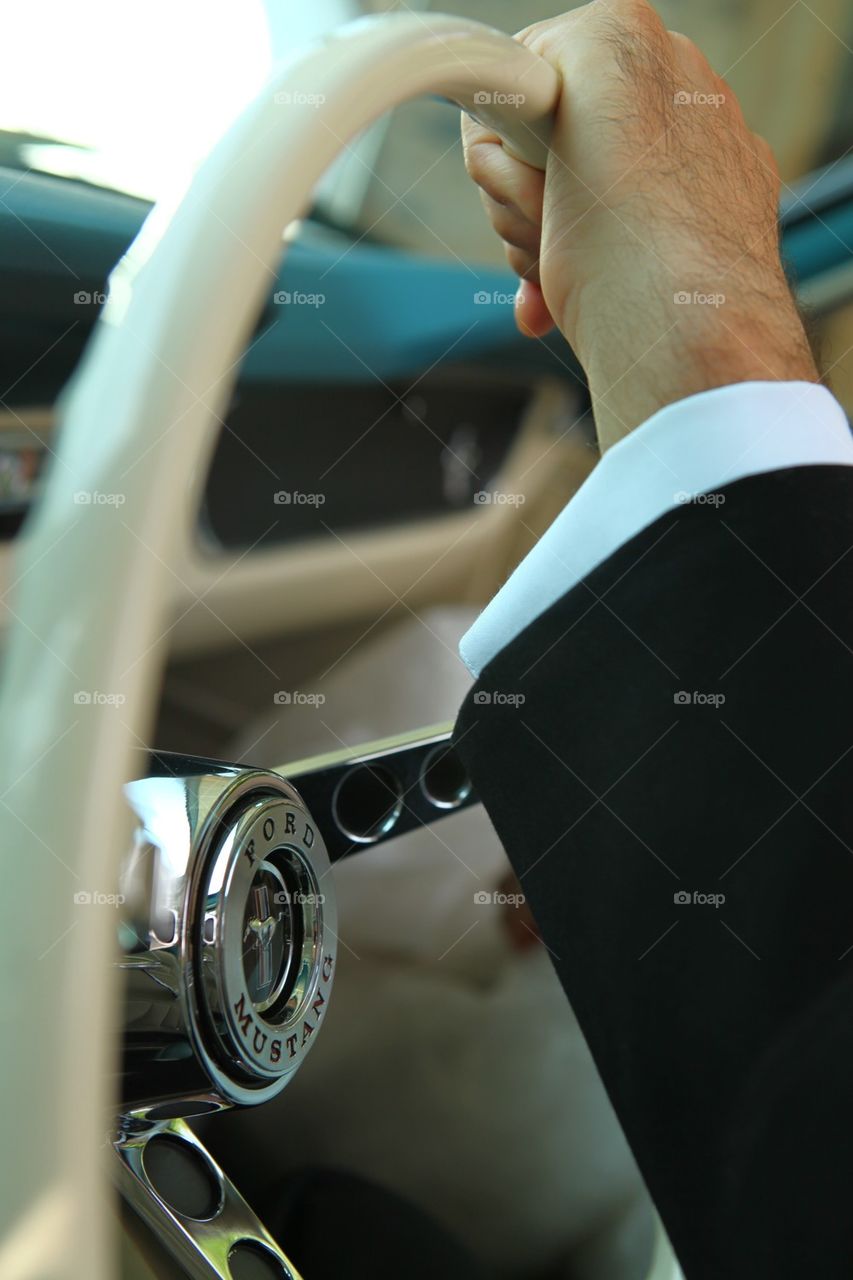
{"type": "Point", "coordinates": [443, 779]}
{"type": "Point", "coordinates": [367, 803]}
{"type": "Point", "coordinates": [183, 1177]}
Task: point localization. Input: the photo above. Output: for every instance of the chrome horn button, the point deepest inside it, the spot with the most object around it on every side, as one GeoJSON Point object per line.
{"type": "Point", "coordinates": [264, 963]}
{"type": "Point", "coordinates": [228, 938]}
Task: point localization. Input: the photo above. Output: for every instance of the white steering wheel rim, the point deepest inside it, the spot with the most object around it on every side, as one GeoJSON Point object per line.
{"type": "Point", "coordinates": [93, 584]}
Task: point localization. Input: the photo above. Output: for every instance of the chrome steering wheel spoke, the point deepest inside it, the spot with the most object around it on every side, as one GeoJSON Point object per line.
{"type": "Point", "coordinates": [228, 936]}
{"type": "Point", "coordinates": [381, 790]}
{"type": "Point", "coordinates": [170, 1181]}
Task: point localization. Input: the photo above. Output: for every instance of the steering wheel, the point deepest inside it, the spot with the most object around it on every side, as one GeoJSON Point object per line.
{"type": "Point", "coordinates": [90, 618]}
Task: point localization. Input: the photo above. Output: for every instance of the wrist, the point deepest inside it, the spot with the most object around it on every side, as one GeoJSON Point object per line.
{"type": "Point", "coordinates": [642, 353]}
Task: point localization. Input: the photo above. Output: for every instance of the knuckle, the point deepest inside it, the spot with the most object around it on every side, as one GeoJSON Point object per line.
{"type": "Point", "coordinates": [506, 182]}
{"type": "Point", "coordinates": [514, 229]}
{"type": "Point", "coordinates": [686, 48]}
{"type": "Point", "coordinates": [524, 264]}
{"type": "Point", "coordinates": [526, 194]}
{"type": "Point", "coordinates": [637, 17]}
{"type": "Point", "coordinates": [476, 157]}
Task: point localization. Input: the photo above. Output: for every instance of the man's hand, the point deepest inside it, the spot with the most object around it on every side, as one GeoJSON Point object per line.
{"type": "Point", "coordinates": [651, 240]}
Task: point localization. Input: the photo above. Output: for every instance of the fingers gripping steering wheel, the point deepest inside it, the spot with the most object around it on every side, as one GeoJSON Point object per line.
{"type": "Point", "coordinates": [90, 609]}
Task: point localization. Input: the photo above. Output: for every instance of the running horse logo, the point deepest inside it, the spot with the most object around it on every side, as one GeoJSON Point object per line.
{"type": "Point", "coordinates": [261, 926]}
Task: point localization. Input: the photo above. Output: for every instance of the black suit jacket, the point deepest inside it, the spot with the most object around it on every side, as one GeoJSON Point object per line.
{"type": "Point", "coordinates": [630, 796]}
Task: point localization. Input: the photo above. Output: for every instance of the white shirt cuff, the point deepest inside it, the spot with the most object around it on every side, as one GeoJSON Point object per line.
{"type": "Point", "coordinates": [690, 448]}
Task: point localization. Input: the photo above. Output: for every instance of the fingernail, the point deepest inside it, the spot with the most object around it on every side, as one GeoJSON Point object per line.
{"type": "Point", "coordinates": [519, 302]}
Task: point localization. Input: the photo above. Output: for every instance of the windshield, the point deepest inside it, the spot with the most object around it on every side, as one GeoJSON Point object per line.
{"type": "Point", "coordinates": [131, 97]}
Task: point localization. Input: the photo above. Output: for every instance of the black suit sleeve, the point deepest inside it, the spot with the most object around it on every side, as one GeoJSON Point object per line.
{"type": "Point", "coordinates": [666, 757]}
